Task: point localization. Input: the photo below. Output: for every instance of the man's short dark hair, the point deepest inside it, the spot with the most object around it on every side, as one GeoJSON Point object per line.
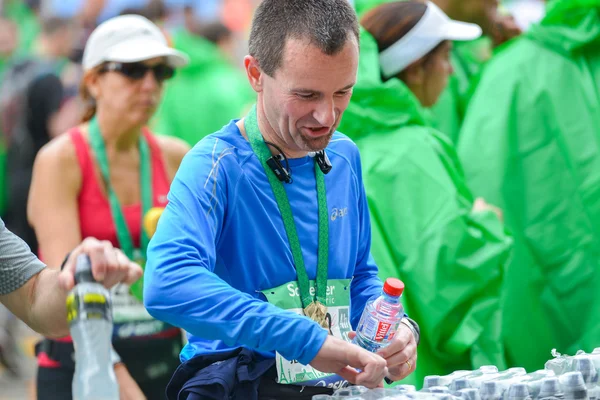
{"type": "Point", "coordinates": [326, 24]}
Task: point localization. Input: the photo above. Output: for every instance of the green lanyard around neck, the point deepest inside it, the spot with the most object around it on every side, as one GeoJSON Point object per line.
{"type": "Point", "coordinates": [123, 233]}
{"type": "Point", "coordinates": [313, 309]}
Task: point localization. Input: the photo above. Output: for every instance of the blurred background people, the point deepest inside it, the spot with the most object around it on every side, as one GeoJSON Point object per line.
{"type": "Point", "coordinates": [428, 229]}
{"type": "Point", "coordinates": [467, 57]}
{"type": "Point", "coordinates": [102, 179]}
{"type": "Point", "coordinates": [37, 103]}
{"type": "Point", "coordinates": [210, 91]}
{"type": "Point", "coordinates": [531, 144]}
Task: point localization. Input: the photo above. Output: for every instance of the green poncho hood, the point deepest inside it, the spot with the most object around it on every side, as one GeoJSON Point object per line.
{"type": "Point", "coordinates": [569, 25]}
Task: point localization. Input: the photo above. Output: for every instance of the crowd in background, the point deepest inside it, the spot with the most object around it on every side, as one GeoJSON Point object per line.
{"type": "Point", "coordinates": [514, 130]}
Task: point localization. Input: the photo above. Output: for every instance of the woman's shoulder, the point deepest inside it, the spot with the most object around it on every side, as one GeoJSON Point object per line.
{"type": "Point", "coordinates": [60, 151]}
{"type": "Point", "coordinates": [173, 150]}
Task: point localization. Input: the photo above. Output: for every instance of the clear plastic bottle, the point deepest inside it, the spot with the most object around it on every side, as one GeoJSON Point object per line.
{"type": "Point", "coordinates": [490, 390]}
{"type": "Point", "coordinates": [469, 394]}
{"type": "Point", "coordinates": [550, 389]}
{"type": "Point", "coordinates": [89, 313]}
{"type": "Point", "coordinates": [585, 365]}
{"type": "Point", "coordinates": [518, 391]}
{"type": "Point", "coordinates": [381, 317]}
{"type": "Point", "coordinates": [573, 386]}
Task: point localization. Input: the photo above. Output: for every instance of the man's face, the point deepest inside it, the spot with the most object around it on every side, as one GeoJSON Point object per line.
{"type": "Point", "coordinates": [305, 99]}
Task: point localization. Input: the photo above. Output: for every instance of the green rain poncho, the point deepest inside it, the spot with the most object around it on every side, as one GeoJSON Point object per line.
{"type": "Point", "coordinates": [424, 232]}
{"type": "Point", "coordinates": [205, 95]}
{"type": "Point", "coordinates": [531, 144]}
{"type": "Point", "coordinates": [467, 60]}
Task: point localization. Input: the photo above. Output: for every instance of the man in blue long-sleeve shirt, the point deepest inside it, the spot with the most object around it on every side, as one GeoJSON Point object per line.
{"type": "Point", "coordinates": [244, 253]}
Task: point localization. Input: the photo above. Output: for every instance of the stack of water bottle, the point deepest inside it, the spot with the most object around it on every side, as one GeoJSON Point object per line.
{"type": "Point", "coordinates": [564, 378]}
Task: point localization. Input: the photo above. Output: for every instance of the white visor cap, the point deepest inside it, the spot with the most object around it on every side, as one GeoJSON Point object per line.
{"type": "Point", "coordinates": [127, 39]}
{"type": "Point", "coordinates": [432, 29]}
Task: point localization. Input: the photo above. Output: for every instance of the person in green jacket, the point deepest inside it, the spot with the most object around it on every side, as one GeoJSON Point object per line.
{"type": "Point", "coordinates": [205, 95]}
{"type": "Point", "coordinates": [8, 44]}
{"type": "Point", "coordinates": [531, 144]}
{"type": "Point", "coordinates": [467, 57]}
{"type": "Point", "coordinates": [428, 230]}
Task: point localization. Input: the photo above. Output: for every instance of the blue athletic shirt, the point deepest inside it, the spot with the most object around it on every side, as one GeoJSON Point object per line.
{"type": "Point", "coordinates": [221, 240]}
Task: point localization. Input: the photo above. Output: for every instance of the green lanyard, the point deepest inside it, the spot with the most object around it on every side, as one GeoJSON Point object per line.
{"type": "Point", "coordinates": [123, 234]}
{"type": "Point", "coordinates": [315, 309]}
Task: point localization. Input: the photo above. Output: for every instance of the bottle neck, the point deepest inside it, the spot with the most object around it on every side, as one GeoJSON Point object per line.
{"type": "Point", "coordinates": [390, 299]}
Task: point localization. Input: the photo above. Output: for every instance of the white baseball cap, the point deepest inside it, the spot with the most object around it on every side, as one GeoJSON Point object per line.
{"type": "Point", "coordinates": [432, 29]}
{"type": "Point", "coordinates": [129, 38]}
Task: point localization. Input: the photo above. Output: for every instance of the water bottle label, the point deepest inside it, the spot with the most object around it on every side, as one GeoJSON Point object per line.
{"type": "Point", "coordinates": [87, 306]}
{"type": "Point", "coordinates": [287, 297]}
{"type": "Point", "coordinates": [375, 330]}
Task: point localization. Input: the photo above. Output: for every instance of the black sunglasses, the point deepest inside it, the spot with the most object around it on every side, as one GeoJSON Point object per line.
{"type": "Point", "coordinates": [137, 71]}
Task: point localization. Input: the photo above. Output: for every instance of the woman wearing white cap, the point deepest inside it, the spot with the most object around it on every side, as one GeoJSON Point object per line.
{"type": "Point", "coordinates": [109, 178]}
{"type": "Point", "coordinates": [427, 228]}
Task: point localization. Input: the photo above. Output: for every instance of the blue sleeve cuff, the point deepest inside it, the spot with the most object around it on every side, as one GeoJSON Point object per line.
{"type": "Point", "coordinates": [313, 346]}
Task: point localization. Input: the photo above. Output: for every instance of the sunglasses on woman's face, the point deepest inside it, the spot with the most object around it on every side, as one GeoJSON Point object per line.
{"type": "Point", "coordinates": [137, 71]}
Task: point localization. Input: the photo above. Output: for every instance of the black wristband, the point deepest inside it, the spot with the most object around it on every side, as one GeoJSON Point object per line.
{"type": "Point", "coordinates": [62, 266]}
{"type": "Point", "coordinates": [415, 328]}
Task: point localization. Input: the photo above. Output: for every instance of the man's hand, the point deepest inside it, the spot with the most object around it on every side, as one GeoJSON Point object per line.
{"type": "Point", "coordinates": [481, 205]}
{"type": "Point", "coordinates": [109, 265]}
{"type": "Point", "coordinates": [128, 388]}
{"type": "Point", "coordinates": [400, 354]}
{"type": "Point", "coordinates": [346, 360]}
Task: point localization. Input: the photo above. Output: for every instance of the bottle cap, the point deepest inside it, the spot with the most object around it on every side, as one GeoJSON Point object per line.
{"type": "Point", "coordinates": [431, 381]}
{"type": "Point", "coordinates": [549, 387]}
{"type": "Point", "coordinates": [406, 388]}
{"type": "Point", "coordinates": [393, 287]}
{"type": "Point", "coordinates": [458, 384]}
{"type": "Point", "coordinates": [518, 391]}
{"type": "Point", "coordinates": [489, 388]}
{"type": "Point", "coordinates": [470, 394]}
{"type": "Point", "coordinates": [572, 381]}
{"type": "Point", "coordinates": [587, 368]}
{"type": "Point", "coordinates": [83, 269]}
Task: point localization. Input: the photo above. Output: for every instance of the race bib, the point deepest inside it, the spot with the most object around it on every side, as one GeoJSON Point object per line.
{"type": "Point", "coordinates": [287, 297]}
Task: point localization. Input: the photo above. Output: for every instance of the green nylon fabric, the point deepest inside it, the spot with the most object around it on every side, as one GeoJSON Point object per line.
{"type": "Point", "coordinates": [205, 95]}
{"type": "Point", "coordinates": [468, 59]}
{"type": "Point", "coordinates": [263, 153]}
{"type": "Point", "coordinates": [424, 232]}
{"type": "Point", "coordinates": [530, 143]}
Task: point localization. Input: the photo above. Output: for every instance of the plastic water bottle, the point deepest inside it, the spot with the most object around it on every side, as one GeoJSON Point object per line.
{"type": "Point", "coordinates": [381, 317]}
{"type": "Point", "coordinates": [550, 389]}
{"type": "Point", "coordinates": [573, 386]}
{"type": "Point", "coordinates": [584, 364]}
{"type": "Point", "coordinates": [490, 390]}
{"type": "Point", "coordinates": [89, 313]}
{"type": "Point", "coordinates": [518, 391]}
{"type": "Point", "coordinates": [469, 394]}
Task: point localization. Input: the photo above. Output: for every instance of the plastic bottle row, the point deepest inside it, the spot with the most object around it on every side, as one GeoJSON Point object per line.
{"type": "Point", "coordinates": [564, 377]}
